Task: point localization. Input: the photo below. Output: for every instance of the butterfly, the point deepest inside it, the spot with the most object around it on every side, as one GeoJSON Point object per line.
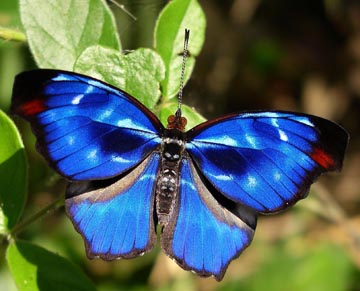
{"type": "Point", "coordinates": [205, 187]}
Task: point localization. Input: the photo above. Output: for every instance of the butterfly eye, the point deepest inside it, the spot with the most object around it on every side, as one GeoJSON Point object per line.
{"type": "Point", "coordinates": [171, 119]}
{"type": "Point", "coordinates": [176, 122]}
{"type": "Point", "coordinates": [183, 121]}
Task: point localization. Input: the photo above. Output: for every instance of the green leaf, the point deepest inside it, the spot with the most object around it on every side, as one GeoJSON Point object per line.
{"type": "Point", "coordinates": [13, 174]}
{"type": "Point", "coordinates": [193, 118]}
{"type": "Point", "coordinates": [104, 64]}
{"type": "Point", "coordinates": [58, 31]}
{"type": "Point", "coordinates": [138, 73]}
{"type": "Point", "coordinates": [34, 268]}
{"type": "Point", "coordinates": [169, 40]}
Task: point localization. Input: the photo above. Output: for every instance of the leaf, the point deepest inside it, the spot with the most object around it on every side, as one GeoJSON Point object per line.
{"type": "Point", "coordinates": [169, 40]}
{"type": "Point", "coordinates": [193, 118]}
{"type": "Point", "coordinates": [104, 64]}
{"type": "Point", "coordinates": [13, 174]}
{"type": "Point", "coordinates": [58, 31]}
{"type": "Point", "coordinates": [34, 268]}
{"type": "Point", "coordinates": [138, 73]}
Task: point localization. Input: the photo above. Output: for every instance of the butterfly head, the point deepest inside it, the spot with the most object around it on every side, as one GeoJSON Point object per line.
{"type": "Point", "coordinates": [177, 121]}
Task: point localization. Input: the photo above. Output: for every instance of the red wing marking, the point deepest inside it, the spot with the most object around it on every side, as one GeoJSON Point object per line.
{"type": "Point", "coordinates": [32, 107]}
{"type": "Point", "coordinates": [322, 158]}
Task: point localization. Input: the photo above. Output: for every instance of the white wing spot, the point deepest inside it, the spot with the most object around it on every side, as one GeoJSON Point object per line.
{"type": "Point", "coordinates": [306, 121]}
{"type": "Point", "coordinates": [274, 122]}
{"type": "Point", "coordinates": [222, 177]}
{"type": "Point", "coordinates": [105, 114]}
{"type": "Point", "coordinates": [119, 159]}
{"type": "Point", "coordinates": [229, 141]}
{"type": "Point", "coordinates": [127, 122]}
{"type": "Point", "coordinates": [92, 154]}
{"type": "Point", "coordinates": [252, 181]}
{"type": "Point", "coordinates": [277, 176]}
{"type": "Point", "coordinates": [76, 100]}
{"type": "Point", "coordinates": [283, 135]}
{"type": "Point", "coordinates": [251, 140]}
{"type": "Point", "coordinates": [89, 89]}
{"type": "Point", "coordinates": [71, 140]}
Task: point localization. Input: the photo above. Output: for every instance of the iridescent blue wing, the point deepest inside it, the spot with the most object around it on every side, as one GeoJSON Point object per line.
{"type": "Point", "coordinates": [115, 217]}
{"type": "Point", "coordinates": [206, 230]}
{"type": "Point", "coordinates": [266, 160]}
{"type": "Point", "coordinates": [85, 128]}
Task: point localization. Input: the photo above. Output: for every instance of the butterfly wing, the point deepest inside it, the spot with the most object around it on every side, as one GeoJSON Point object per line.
{"type": "Point", "coordinates": [266, 160]}
{"type": "Point", "coordinates": [85, 128]}
{"type": "Point", "coordinates": [206, 231]}
{"type": "Point", "coordinates": [116, 221]}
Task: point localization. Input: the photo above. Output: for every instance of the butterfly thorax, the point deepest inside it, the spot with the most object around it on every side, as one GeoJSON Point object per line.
{"type": "Point", "coordinates": [173, 144]}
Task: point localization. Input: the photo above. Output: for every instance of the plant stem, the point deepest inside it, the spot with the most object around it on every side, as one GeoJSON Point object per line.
{"type": "Point", "coordinates": [50, 208]}
{"type": "Point", "coordinates": [10, 34]}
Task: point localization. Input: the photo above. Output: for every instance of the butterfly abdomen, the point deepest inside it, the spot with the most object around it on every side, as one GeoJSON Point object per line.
{"type": "Point", "coordinates": [168, 181]}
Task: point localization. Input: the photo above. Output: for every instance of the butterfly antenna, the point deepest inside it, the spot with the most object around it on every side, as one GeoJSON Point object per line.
{"type": "Point", "coordinates": [177, 121]}
{"type": "Point", "coordinates": [185, 54]}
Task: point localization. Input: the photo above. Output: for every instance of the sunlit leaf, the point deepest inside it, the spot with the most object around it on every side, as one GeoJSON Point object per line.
{"type": "Point", "coordinates": [13, 174]}
{"type": "Point", "coordinates": [169, 40]}
{"type": "Point", "coordinates": [58, 31]}
{"type": "Point", "coordinates": [138, 73]}
{"type": "Point", "coordinates": [34, 268]}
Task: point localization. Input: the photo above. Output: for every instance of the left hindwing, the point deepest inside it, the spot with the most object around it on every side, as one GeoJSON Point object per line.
{"type": "Point", "coordinates": [116, 220]}
{"type": "Point", "coordinates": [266, 160]}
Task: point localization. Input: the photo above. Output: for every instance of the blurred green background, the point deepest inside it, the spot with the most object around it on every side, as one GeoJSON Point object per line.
{"type": "Point", "coordinates": [300, 55]}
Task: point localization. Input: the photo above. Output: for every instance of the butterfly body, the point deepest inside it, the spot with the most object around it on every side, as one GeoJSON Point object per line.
{"type": "Point", "coordinates": [205, 186]}
{"type": "Point", "coordinates": [167, 186]}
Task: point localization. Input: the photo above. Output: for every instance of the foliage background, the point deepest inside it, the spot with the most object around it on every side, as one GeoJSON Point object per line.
{"type": "Point", "coordinates": [297, 55]}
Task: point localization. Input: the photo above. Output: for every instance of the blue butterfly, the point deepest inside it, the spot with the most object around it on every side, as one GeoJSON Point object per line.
{"type": "Point", "coordinates": [204, 187]}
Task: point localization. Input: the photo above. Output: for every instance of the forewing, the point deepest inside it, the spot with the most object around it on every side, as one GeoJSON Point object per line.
{"type": "Point", "coordinates": [203, 235]}
{"type": "Point", "coordinates": [117, 221]}
{"type": "Point", "coordinates": [85, 128]}
{"type": "Point", "coordinates": [266, 160]}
